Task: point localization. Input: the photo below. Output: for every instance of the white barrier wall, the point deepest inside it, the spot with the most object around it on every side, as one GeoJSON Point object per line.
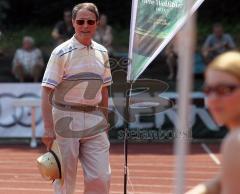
{"type": "Point", "coordinates": [16, 121]}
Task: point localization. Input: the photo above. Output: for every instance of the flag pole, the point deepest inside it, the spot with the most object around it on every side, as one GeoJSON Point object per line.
{"type": "Point", "coordinates": [128, 90]}
{"type": "Point", "coordinates": [126, 126]}
{"type": "Point", "coordinates": [184, 90]}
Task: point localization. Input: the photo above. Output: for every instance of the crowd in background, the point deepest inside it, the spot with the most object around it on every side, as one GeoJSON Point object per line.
{"type": "Point", "coordinates": [28, 61]}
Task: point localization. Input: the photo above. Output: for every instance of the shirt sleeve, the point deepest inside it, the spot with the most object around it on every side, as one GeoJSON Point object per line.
{"type": "Point", "coordinates": [107, 77]}
{"type": "Point", "coordinates": [230, 42]}
{"type": "Point", "coordinates": [54, 71]}
{"type": "Point", "coordinates": [207, 42]}
{"type": "Point", "coordinates": [15, 58]}
{"type": "Point", "coordinates": [40, 60]}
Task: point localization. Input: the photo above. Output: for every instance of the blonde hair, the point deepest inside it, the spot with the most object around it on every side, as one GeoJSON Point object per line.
{"type": "Point", "coordinates": [228, 62]}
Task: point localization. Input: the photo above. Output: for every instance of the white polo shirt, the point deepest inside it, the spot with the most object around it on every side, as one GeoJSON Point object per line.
{"type": "Point", "coordinates": [81, 72]}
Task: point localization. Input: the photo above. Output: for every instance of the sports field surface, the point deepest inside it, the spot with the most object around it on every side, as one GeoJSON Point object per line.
{"type": "Point", "coordinates": [151, 168]}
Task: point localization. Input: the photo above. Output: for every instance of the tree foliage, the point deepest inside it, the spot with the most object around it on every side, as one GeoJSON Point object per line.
{"type": "Point", "coordinates": [4, 5]}
{"type": "Point", "coordinates": [47, 12]}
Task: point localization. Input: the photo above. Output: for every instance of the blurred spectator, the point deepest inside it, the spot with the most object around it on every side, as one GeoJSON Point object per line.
{"type": "Point", "coordinates": [171, 60]}
{"type": "Point", "coordinates": [217, 43]}
{"type": "Point", "coordinates": [28, 61]}
{"type": "Point", "coordinates": [103, 34]}
{"type": "Point", "coordinates": [63, 30]}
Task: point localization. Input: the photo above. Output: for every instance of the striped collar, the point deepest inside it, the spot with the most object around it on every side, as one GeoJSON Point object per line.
{"type": "Point", "coordinates": [93, 45]}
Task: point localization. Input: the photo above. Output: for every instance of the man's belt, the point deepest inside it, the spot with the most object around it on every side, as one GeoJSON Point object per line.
{"type": "Point", "coordinates": [76, 108]}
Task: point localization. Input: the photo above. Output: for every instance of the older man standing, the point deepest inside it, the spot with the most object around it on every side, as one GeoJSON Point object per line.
{"type": "Point", "coordinates": [77, 78]}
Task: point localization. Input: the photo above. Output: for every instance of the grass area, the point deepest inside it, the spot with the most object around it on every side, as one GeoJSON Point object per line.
{"type": "Point", "coordinates": [12, 38]}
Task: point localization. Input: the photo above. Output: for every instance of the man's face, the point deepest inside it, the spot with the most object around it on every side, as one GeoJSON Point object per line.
{"type": "Point", "coordinates": [67, 16]}
{"type": "Point", "coordinates": [218, 31]}
{"type": "Point", "coordinates": [27, 44]}
{"type": "Point", "coordinates": [85, 24]}
{"type": "Point", "coordinates": [103, 20]}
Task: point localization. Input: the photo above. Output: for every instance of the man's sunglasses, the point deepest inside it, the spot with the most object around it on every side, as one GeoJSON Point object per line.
{"type": "Point", "coordinates": [89, 22]}
{"type": "Point", "coordinates": [220, 90]}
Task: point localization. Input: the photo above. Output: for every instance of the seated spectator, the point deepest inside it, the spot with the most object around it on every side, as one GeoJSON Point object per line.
{"type": "Point", "coordinates": [28, 61]}
{"type": "Point", "coordinates": [103, 34]}
{"type": "Point", "coordinates": [63, 30]}
{"type": "Point", "coordinates": [217, 43]}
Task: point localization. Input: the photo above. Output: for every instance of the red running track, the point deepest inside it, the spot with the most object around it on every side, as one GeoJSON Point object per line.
{"type": "Point", "coordinates": [151, 169]}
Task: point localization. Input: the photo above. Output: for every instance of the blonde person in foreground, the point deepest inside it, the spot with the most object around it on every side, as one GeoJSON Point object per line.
{"type": "Point", "coordinates": [222, 88]}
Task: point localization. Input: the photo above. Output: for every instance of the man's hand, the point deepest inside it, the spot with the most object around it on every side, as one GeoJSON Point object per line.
{"type": "Point", "coordinates": [48, 138]}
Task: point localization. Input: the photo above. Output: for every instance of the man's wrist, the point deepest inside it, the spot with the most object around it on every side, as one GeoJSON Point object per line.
{"type": "Point", "coordinates": [49, 133]}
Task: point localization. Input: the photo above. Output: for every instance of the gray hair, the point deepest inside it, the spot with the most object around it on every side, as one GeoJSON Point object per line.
{"type": "Point", "coordinates": [28, 39]}
{"type": "Point", "coordinates": [88, 6]}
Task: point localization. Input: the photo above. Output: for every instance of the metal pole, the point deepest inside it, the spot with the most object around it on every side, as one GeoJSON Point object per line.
{"type": "Point", "coordinates": [126, 126]}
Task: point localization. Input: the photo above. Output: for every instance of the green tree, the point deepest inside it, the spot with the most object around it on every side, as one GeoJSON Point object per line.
{"type": "Point", "coordinates": [4, 5]}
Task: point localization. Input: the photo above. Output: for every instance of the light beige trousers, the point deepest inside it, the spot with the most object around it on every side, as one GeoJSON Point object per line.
{"type": "Point", "coordinates": [93, 154]}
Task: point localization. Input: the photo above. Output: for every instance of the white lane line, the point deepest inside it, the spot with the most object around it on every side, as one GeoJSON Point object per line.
{"type": "Point", "coordinates": [210, 153]}
{"type": "Point", "coordinates": [38, 178]}
{"type": "Point", "coordinates": [81, 184]}
{"type": "Point", "coordinates": [116, 165]}
{"type": "Point", "coordinates": [51, 190]}
{"type": "Point", "coordinates": [135, 172]}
